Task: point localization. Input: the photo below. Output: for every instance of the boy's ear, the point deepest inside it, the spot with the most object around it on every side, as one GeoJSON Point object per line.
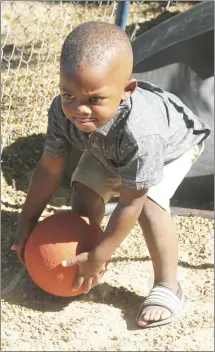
{"type": "Point", "coordinates": [129, 88]}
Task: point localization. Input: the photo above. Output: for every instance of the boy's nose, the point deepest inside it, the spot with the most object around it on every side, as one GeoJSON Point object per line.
{"type": "Point", "coordinates": [81, 109]}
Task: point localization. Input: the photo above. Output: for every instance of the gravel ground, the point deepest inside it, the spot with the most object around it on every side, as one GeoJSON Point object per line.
{"type": "Point", "coordinates": [104, 319]}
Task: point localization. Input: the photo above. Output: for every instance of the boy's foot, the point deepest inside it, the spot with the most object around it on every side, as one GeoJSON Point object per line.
{"type": "Point", "coordinates": [162, 306]}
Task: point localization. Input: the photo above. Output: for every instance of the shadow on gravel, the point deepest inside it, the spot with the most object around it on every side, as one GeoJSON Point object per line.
{"type": "Point", "coordinates": [26, 294]}
{"type": "Point", "coordinates": [31, 297]}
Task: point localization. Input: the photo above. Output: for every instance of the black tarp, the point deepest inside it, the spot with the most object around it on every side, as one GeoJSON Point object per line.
{"type": "Point", "coordinates": [178, 56]}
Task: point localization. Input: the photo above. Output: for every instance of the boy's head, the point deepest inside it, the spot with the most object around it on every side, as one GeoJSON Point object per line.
{"type": "Point", "coordinates": [95, 68]}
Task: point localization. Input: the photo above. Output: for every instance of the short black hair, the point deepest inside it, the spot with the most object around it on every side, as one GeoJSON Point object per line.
{"type": "Point", "coordinates": [94, 43]}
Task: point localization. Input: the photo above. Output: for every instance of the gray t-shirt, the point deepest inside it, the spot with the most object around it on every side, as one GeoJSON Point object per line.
{"type": "Point", "coordinates": [150, 129]}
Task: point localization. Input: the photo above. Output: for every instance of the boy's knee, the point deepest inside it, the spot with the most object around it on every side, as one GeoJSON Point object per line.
{"type": "Point", "coordinates": [150, 208]}
{"type": "Point", "coordinates": [86, 202]}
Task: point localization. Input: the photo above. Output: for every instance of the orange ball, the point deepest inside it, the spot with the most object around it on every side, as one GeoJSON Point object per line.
{"type": "Point", "coordinates": [59, 237]}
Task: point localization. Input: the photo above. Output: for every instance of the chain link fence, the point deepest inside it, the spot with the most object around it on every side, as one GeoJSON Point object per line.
{"type": "Point", "coordinates": [32, 36]}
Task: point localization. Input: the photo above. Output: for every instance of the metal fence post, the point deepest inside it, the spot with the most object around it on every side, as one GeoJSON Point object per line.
{"type": "Point", "coordinates": [122, 14]}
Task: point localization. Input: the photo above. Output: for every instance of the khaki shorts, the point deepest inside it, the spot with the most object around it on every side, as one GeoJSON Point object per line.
{"type": "Point", "coordinates": [95, 176]}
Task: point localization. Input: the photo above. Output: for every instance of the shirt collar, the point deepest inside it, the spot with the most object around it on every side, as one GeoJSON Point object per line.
{"type": "Point", "coordinates": [122, 111]}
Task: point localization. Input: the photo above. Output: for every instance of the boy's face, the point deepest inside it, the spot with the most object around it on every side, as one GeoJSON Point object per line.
{"type": "Point", "coordinates": [90, 97]}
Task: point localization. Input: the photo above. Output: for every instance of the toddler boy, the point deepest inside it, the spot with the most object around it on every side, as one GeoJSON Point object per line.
{"type": "Point", "coordinates": [138, 143]}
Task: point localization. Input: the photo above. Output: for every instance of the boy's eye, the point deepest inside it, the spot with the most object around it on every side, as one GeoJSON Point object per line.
{"type": "Point", "coordinates": [94, 100]}
{"type": "Point", "coordinates": [68, 96]}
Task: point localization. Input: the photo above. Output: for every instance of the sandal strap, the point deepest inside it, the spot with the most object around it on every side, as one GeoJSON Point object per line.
{"type": "Point", "coordinates": [164, 297]}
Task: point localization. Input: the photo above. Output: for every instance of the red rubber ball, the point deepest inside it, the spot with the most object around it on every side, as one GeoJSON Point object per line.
{"type": "Point", "coordinates": [59, 237]}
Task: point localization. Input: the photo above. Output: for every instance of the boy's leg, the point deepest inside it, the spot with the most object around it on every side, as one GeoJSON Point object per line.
{"type": "Point", "coordinates": [160, 232]}
{"type": "Point", "coordinates": [92, 187]}
{"type": "Point", "coordinates": [162, 242]}
{"type": "Point", "coordinates": [87, 203]}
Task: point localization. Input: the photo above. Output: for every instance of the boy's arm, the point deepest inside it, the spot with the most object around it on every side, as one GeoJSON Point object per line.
{"type": "Point", "coordinates": [44, 182]}
{"type": "Point", "coordinates": [121, 222]}
{"type": "Point", "coordinates": [143, 168]}
{"type": "Point", "coordinates": [124, 217]}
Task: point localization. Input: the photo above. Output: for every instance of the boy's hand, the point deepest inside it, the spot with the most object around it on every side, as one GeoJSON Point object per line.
{"type": "Point", "coordinates": [19, 248]}
{"type": "Point", "coordinates": [20, 242]}
{"type": "Point", "coordinates": [90, 271]}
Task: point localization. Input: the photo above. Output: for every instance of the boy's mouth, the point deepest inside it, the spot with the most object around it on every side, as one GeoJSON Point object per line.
{"type": "Point", "coordinates": [83, 121]}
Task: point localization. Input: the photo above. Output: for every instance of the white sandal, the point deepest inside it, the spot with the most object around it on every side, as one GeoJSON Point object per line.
{"type": "Point", "coordinates": [163, 297]}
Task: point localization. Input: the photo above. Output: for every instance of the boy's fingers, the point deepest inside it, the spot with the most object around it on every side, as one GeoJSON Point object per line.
{"type": "Point", "coordinates": [69, 262]}
{"type": "Point", "coordinates": [21, 260]}
{"type": "Point", "coordinates": [19, 252]}
{"type": "Point", "coordinates": [96, 279]}
{"type": "Point", "coordinates": [87, 285]}
{"type": "Point", "coordinates": [14, 247]}
{"type": "Point", "coordinates": [78, 282]}
{"type": "Point", "coordinates": [102, 271]}
{"type": "Point", "coordinates": [81, 258]}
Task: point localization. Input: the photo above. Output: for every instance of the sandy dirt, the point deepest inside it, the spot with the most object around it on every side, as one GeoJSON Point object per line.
{"type": "Point", "coordinates": [104, 319]}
